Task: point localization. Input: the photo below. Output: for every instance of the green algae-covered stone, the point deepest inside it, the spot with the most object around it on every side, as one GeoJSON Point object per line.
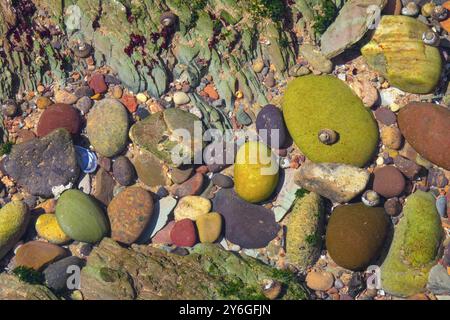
{"type": "Point", "coordinates": [80, 217]}
{"type": "Point", "coordinates": [107, 127]}
{"type": "Point", "coordinates": [150, 169]}
{"type": "Point", "coordinates": [356, 234]}
{"type": "Point", "coordinates": [160, 133]}
{"type": "Point", "coordinates": [304, 231]}
{"type": "Point", "coordinates": [415, 247]}
{"type": "Point", "coordinates": [14, 219]}
{"type": "Point", "coordinates": [397, 51]}
{"type": "Point", "coordinates": [255, 172]}
{"type": "Point", "coordinates": [313, 103]}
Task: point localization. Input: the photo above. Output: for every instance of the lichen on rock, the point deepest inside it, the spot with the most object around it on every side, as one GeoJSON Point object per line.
{"type": "Point", "coordinates": [113, 272]}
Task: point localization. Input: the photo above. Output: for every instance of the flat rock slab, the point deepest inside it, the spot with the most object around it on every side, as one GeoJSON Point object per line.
{"type": "Point", "coordinates": [38, 165]}
{"type": "Point", "coordinates": [337, 182]}
{"type": "Point", "coordinates": [247, 225]}
{"type": "Point", "coordinates": [145, 272]}
{"type": "Point", "coordinates": [350, 26]}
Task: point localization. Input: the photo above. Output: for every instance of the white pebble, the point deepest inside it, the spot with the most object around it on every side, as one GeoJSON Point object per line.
{"type": "Point", "coordinates": [142, 98]}
{"type": "Point", "coordinates": [180, 97]}
{"type": "Point", "coordinates": [394, 107]}
{"type": "Point", "coordinates": [285, 163]}
{"type": "Point", "coordinates": [380, 161]}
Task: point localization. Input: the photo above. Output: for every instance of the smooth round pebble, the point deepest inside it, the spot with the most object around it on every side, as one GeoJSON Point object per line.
{"type": "Point", "coordinates": [48, 228]}
{"type": "Point", "coordinates": [222, 181]}
{"type": "Point", "coordinates": [59, 116]}
{"type": "Point", "coordinates": [391, 137]}
{"type": "Point", "coordinates": [192, 186]}
{"type": "Point", "coordinates": [181, 174]}
{"type": "Point", "coordinates": [84, 104]}
{"type": "Point", "coordinates": [183, 233]}
{"type": "Point", "coordinates": [256, 172]}
{"type": "Point", "coordinates": [129, 213]}
{"type": "Point", "coordinates": [209, 227]}
{"type": "Point", "coordinates": [385, 116]}
{"type": "Point", "coordinates": [258, 65]}
{"type": "Point", "coordinates": [270, 126]}
{"type": "Point", "coordinates": [80, 217]}
{"type": "Point", "coordinates": [57, 273]}
{"type": "Point", "coordinates": [98, 84]}
{"type": "Point", "coordinates": [180, 98]}
{"type": "Point", "coordinates": [43, 102]}
{"type": "Point", "coordinates": [388, 181]}
{"type": "Point", "coordinates": [192, 207]}
{"type": "Point", "coordinates": [319, 281]}
{"type": "Point", "coordinates": [38, 254]}
{"type": "Point", "coordinates": [393, 207]}
{"type": "Point", "coordinates": [142, 98]}
{"type": "Point", "coordinates": [123, 171]}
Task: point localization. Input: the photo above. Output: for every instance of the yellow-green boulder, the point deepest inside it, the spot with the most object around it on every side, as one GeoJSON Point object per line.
{"type": "Point", "coordinates": [14, 217]}
{"type": "Point", "coordinates": [397, 51]}
{"type": "Point", "coordinates": [315, 103]}
{"type": "Point", "coordinates": [255, 172]}
{"type": "Point", "coordinates": [415, 247]}
{"type": "Point", "coordinates": [304, 231]}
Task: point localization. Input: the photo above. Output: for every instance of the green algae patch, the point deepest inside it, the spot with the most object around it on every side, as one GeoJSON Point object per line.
{"type": "Point", "coordinates": [397, 51]}
{"type": "Point", "coordinates": [415, 247]}
{"type": "Point", "coordinates": [208, 273]}
{"type": "Point", "coordinates": [313, 103]}
{"type": "Point", "coordinates": [304, 231]}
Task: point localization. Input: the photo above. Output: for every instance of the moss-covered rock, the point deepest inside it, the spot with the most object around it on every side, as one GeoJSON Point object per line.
{"type": "Point", "coordinates": [14, 219]}
{"type": "Point", "coordinates": [80, 217]}
{"type": "Point", "coordinates": [160, 134]}
{"type": "Point", "coordinates": [304, 231]}
{"type": "Point", "coordinates": [396, 46]}
{"type": "Point", "coordinates": [313, 103]}
{"type": "Point", "coordinates": [356, 234]}
{"type": "Point", "coordinates": [415, 247]}
{"type": "Point", "coordinates": [255, 172]}
{"type": "Point", "coordinates": [107, 127]}
{"type": "Point", "coordinates": [12, 288]}
{"type": "Point", "coordinates": [209, 272]}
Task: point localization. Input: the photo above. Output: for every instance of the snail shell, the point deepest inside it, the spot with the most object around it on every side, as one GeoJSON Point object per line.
{"type": "Point", "coordinates": [370, 198]}
{"type": "Point", "coordinates": [82, 50]}
{"type": "Point", "coordinates": [328, 136]}
{"type": "Point", "coordinates": [168, 19]}
{"type": "Point", "coordinates": [272, 289]}
{"type": "Point", "coordinates": [431, 38]}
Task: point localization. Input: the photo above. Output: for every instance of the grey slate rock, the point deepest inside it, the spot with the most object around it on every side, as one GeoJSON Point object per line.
{"type": "Point", "coordinates": [247, 225]}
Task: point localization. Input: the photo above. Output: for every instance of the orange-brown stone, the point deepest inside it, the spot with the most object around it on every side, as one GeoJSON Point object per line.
{"type": "Point", "coordinates": [129, 214]}
{"type": "Point", "coordinates": [38, 254]}
{"type": "Point", "coordinates": [426, 127]}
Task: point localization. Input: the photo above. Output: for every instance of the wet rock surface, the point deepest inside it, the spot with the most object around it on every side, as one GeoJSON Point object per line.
{"type": "Point", "coordinates": [196, 270]}
{"type": "Point", "coordinates": [41, 164]}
